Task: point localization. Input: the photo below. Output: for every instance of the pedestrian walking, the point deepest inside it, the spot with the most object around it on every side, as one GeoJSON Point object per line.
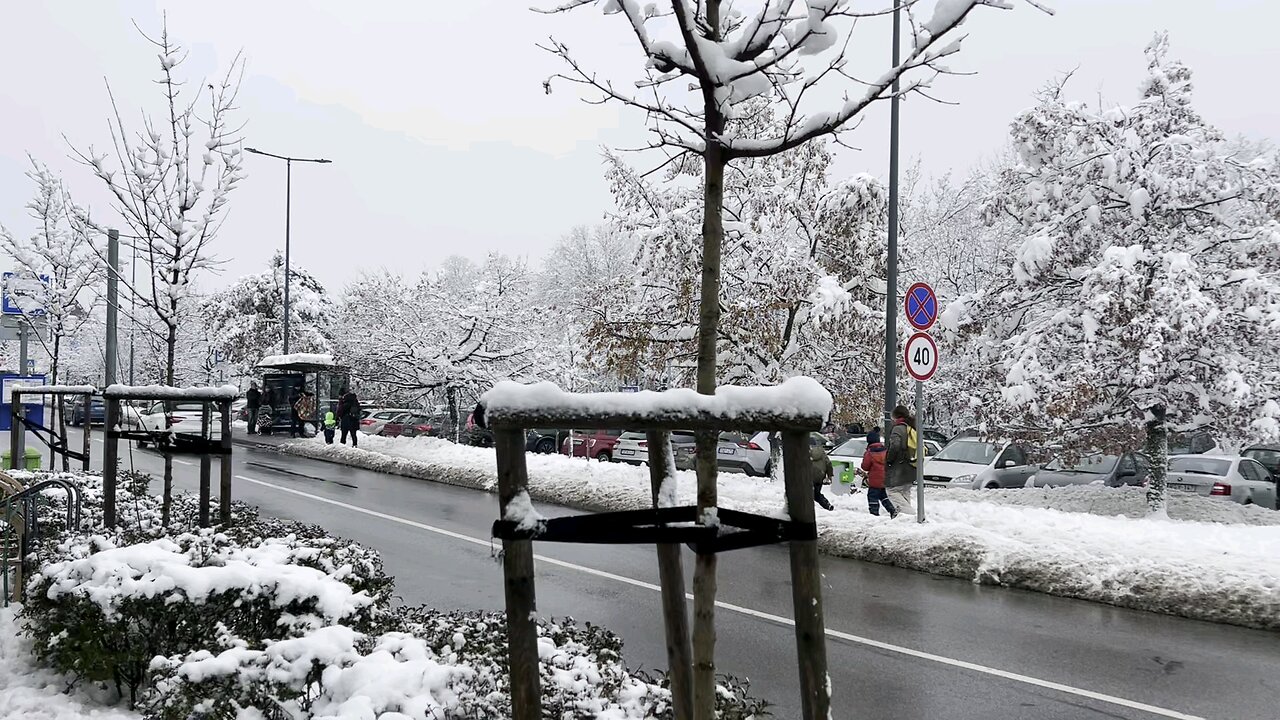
{"type": "Point", "coordinates": [873, 466]}
{"type": "Point", "coordinates": [330, 426]}
{"type": "Point", "coordinates": [349, 417]}
{"type": "Point", "coordinates": [822, 474]}
{"type": "Point", "coordinates": [900, 469]}
{"type": "Point", "coordinates": [253, 401]}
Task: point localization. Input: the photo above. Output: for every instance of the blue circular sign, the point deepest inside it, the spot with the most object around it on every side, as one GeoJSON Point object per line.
{"type": "Point", "coordinates": [922, 306]}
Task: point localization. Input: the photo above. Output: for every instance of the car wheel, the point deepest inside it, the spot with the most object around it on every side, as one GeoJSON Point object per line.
{"type": "Point", "coordinates": [604, 456]}
{"type": "Point", "coordinates": [546, 446]}
{"type": "Point", "coordinates": [768, 469]}
{"type": "Point", "coordinates": [993, 485]}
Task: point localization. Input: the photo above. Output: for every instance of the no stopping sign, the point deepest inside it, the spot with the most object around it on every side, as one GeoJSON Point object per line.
{"type": "Point", "coordinates": [921, 356]}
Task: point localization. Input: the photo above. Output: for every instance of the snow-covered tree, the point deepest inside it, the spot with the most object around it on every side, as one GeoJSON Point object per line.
{"type": "Point", "coordinates": [1144, 292]}
{"type": "Point", "coordinates": [170, 180]}
{"type": "Point", "coordinates": [245, 319]}
{"type": "Point", "coordinates": [453, 334]}
{"type": "Point", "coordinates": [55, 273]}
{"type": "Point", "coordinates": [704, 63]}
{"type": "Point", "coordinates": [802, 267]}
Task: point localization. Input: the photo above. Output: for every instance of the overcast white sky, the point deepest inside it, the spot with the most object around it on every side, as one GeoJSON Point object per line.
{"type": "Point", "coordinates": [444, 142]}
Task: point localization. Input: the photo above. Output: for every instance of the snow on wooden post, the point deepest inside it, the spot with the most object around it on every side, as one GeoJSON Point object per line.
{"type": "Point", "coordinates": [671, 578]}
{"type": "Point", "coordinates": [110, 461]}
{"type": "Point", "coordinates": [795, 408]}
{"type": "Point", "coordinates": [205, 466]}
{"type": "Point", "coordinates": [806, 579]}
{"type": "Point", "coordinates": [224, 466]}
{"type": "Point", "coordinates": [517, 572]}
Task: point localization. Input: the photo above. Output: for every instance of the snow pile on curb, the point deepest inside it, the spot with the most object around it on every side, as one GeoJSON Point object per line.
{"type": "Point", "coordinates": [1089, 547]}
{"type": "Point", "coordinates": [29, 692]}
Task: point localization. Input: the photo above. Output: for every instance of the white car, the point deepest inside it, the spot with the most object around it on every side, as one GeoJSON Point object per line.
{"type": "Point", "coordinates": [183, 420]}
{"type": "Point", "coordinates": [744, 452]}
{"type": "Point", "coordinates": [1229, 477]}
{"type": "Point", "coordinates": [633, 447]}
{"type": "Point", "coordinates": [976, 464]}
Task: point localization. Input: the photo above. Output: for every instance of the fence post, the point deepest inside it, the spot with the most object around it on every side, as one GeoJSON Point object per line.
{"type": "Point", "coordinates": [224, 466]}
{"type": "Point", "coordinates": [110, 457]}
{"type": "Point", "coordinates": [671, 578]}
{"type": "Point", "coordinates": [205, 462]}
{"type": "Point", "coordinates": [15, 428]}
{"type": "Point", "coordinates": [806, 579]}
{"type": "Point", "coordinates": [517, 572]}
{"type": "Point", "coordinates": [88, 430]}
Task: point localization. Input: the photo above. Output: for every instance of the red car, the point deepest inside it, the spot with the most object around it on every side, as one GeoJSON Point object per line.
{"type": "Point", "coordinates": [595, 445]}
{"type": "Point", "coordinates": [414, 426]}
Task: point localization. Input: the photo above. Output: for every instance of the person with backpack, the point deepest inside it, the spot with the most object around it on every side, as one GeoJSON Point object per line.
{"type": "Point", "coordinates": [900, 468]}
{"type": "Point", "coordinates": [873, 467]}
{"type": "Point", "coordinates": [822, 474]}
{"type": "Point", "coordinates": [304, 411]}
{"type": "Point", "coordinates": [349, 417]}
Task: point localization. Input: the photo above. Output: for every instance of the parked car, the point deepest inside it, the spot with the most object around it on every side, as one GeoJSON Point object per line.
{"type": "Point", "coordinates": [1196, 442]}
{"type": "Point", "coordinates": [977, 464]}
{"type": "Point", "coordinates": [1110, 470]}
{"type": "Point", "coordinates": [544, 440]}
{"type": "Point", "coordinates": [97, 412]}
{"type": "Point", "coordinates": [1230, 477]}
{"type": "Point", "coordinates": [414, 425]}
{"type": "Point", "coordinates": [1268, 455]}
{"type": "Point", "coordinates": [592, 444]}
{"type": "Point", "coordinates": [633, 448]}
{"type": "Point", "coordinates": [744, 452]}
{"type": "Point", "coordinates": [183, 422]}
{"type": "Point", "coordinates": [372, 420]}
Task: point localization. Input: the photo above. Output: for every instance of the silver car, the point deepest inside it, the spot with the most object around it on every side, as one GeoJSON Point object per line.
{"type": "Point", "coordinates": [976, 464]}
{"type": "Point", "coordinates": [1109, 470]}
{"type": "Point", "coordinates": [633, 448]}
{"type": "Point", "coordinates": [1230, 477]}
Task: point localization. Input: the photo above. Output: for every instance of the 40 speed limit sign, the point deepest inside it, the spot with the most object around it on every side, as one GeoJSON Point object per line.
{"type": "Point", "coordinates": [921, 356]}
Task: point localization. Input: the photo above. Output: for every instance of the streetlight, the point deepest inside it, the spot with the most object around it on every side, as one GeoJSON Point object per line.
{"type": "Point", "coordinates": [288, 181]}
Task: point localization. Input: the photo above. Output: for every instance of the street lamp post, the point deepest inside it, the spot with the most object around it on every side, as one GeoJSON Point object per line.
{"type": "Point", "coordinates": [288, 183]}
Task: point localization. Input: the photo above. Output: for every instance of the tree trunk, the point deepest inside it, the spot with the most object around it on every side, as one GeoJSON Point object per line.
{"type": "Point", "coordinates": [451, 394]}
{"type": "Point", "coordinates": [704, 576]}
{"type": "Point", "coordinates": [1158, 454]}
{"type": "Point", "coordinates": [775, 456]}
{"type": "Point", "coordinates": [166, 503]}
{"type": "Point", "coordinates": [60, 404]}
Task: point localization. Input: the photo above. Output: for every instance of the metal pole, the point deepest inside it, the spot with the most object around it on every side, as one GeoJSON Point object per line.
{"type": "Point", "coordinates": [288, 182]}
{"type": "Point", "coordinates": [113, 281]}
{"type": "Point", "coordinates": [19, 459]}
{"type": "Point", "coordinates": [133, 309]}
{"type": "Point", "coordinates": [919, 453]}
{"type": "Point", "coordinates": [891, 274]}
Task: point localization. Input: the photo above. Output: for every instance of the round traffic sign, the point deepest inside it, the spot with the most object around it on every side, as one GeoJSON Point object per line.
{"type": "Point", "coordinates": [921, 305]}
{"type": "Point", "coordinates": [921, 356]}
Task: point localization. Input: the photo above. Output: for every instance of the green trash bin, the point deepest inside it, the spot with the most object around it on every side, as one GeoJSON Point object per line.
{"type": "Point", "coordinates": [33, 459]}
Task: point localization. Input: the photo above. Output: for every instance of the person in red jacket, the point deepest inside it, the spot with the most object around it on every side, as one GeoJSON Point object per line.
{"type": "Point", "coordinates": [873, 466]}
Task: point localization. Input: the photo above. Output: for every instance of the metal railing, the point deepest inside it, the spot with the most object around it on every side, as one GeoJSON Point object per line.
{"type": "Point", "coordinates": [20, 513]}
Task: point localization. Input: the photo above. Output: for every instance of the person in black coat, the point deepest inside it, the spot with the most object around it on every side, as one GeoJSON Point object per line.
{"type": "Point", "coordinates": [253, 401]}
{"type": "Point", "coordinates": [349, 417]}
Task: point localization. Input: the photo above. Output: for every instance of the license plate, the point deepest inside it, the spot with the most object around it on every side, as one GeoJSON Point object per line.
{"type": "Point", "coordinates": [1185, 487]}
{"type": "Point", "coordinates": [726, 451]}
{"type": "Point", "coordinates": [627, 452]}
{"type": "Point", "coordinates": [934, 484]}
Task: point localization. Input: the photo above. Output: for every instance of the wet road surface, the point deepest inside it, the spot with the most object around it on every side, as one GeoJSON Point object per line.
{"type": "Point", "coordinates": [901, 644]}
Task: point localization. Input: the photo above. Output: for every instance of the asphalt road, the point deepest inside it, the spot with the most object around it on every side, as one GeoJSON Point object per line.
{"type": "Point", "coordinates": [901, 644]}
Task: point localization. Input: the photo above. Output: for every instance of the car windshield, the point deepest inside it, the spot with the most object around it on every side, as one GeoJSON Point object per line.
{"type": "Point", "coordinates": [851, 447]}
{"type": "Point", "coordinates": [969, 451]}
{"type": "Point", "coordinates": [1199, 466]}
{"type": "Point", "coordinates": [1092, 464]}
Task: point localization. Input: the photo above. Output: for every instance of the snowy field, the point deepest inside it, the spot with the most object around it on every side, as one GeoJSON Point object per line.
{"type": "Point", "coordinates": [1210, 560]}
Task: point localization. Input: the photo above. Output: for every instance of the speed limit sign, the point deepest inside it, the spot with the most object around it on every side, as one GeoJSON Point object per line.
{"type": "Point", "coordinates": [921, 356]}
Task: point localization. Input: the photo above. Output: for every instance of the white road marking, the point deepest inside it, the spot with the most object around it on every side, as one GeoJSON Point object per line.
{"type": "Point", "coordinates": [941, 659]}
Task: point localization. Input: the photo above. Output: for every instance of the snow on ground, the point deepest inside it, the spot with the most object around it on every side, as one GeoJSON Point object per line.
{"type": "Point", "coordinates": [29, 692]}
{"type": "Point", "coordinates": [1211, 560]}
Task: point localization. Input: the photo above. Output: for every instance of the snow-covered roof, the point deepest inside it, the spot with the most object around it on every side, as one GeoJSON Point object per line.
{"type": "Point", "coordinates": [799, 403]}
{"type": "Point", "coordinates": [293, 360]}
{"type": "Point", "coordinates": [165, 392]}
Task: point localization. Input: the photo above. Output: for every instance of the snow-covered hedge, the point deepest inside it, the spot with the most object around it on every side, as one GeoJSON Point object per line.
{"type": "Point", "coordinates": [1212, 560]}
{"type": "Point", "coordinates": [272, 619]}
